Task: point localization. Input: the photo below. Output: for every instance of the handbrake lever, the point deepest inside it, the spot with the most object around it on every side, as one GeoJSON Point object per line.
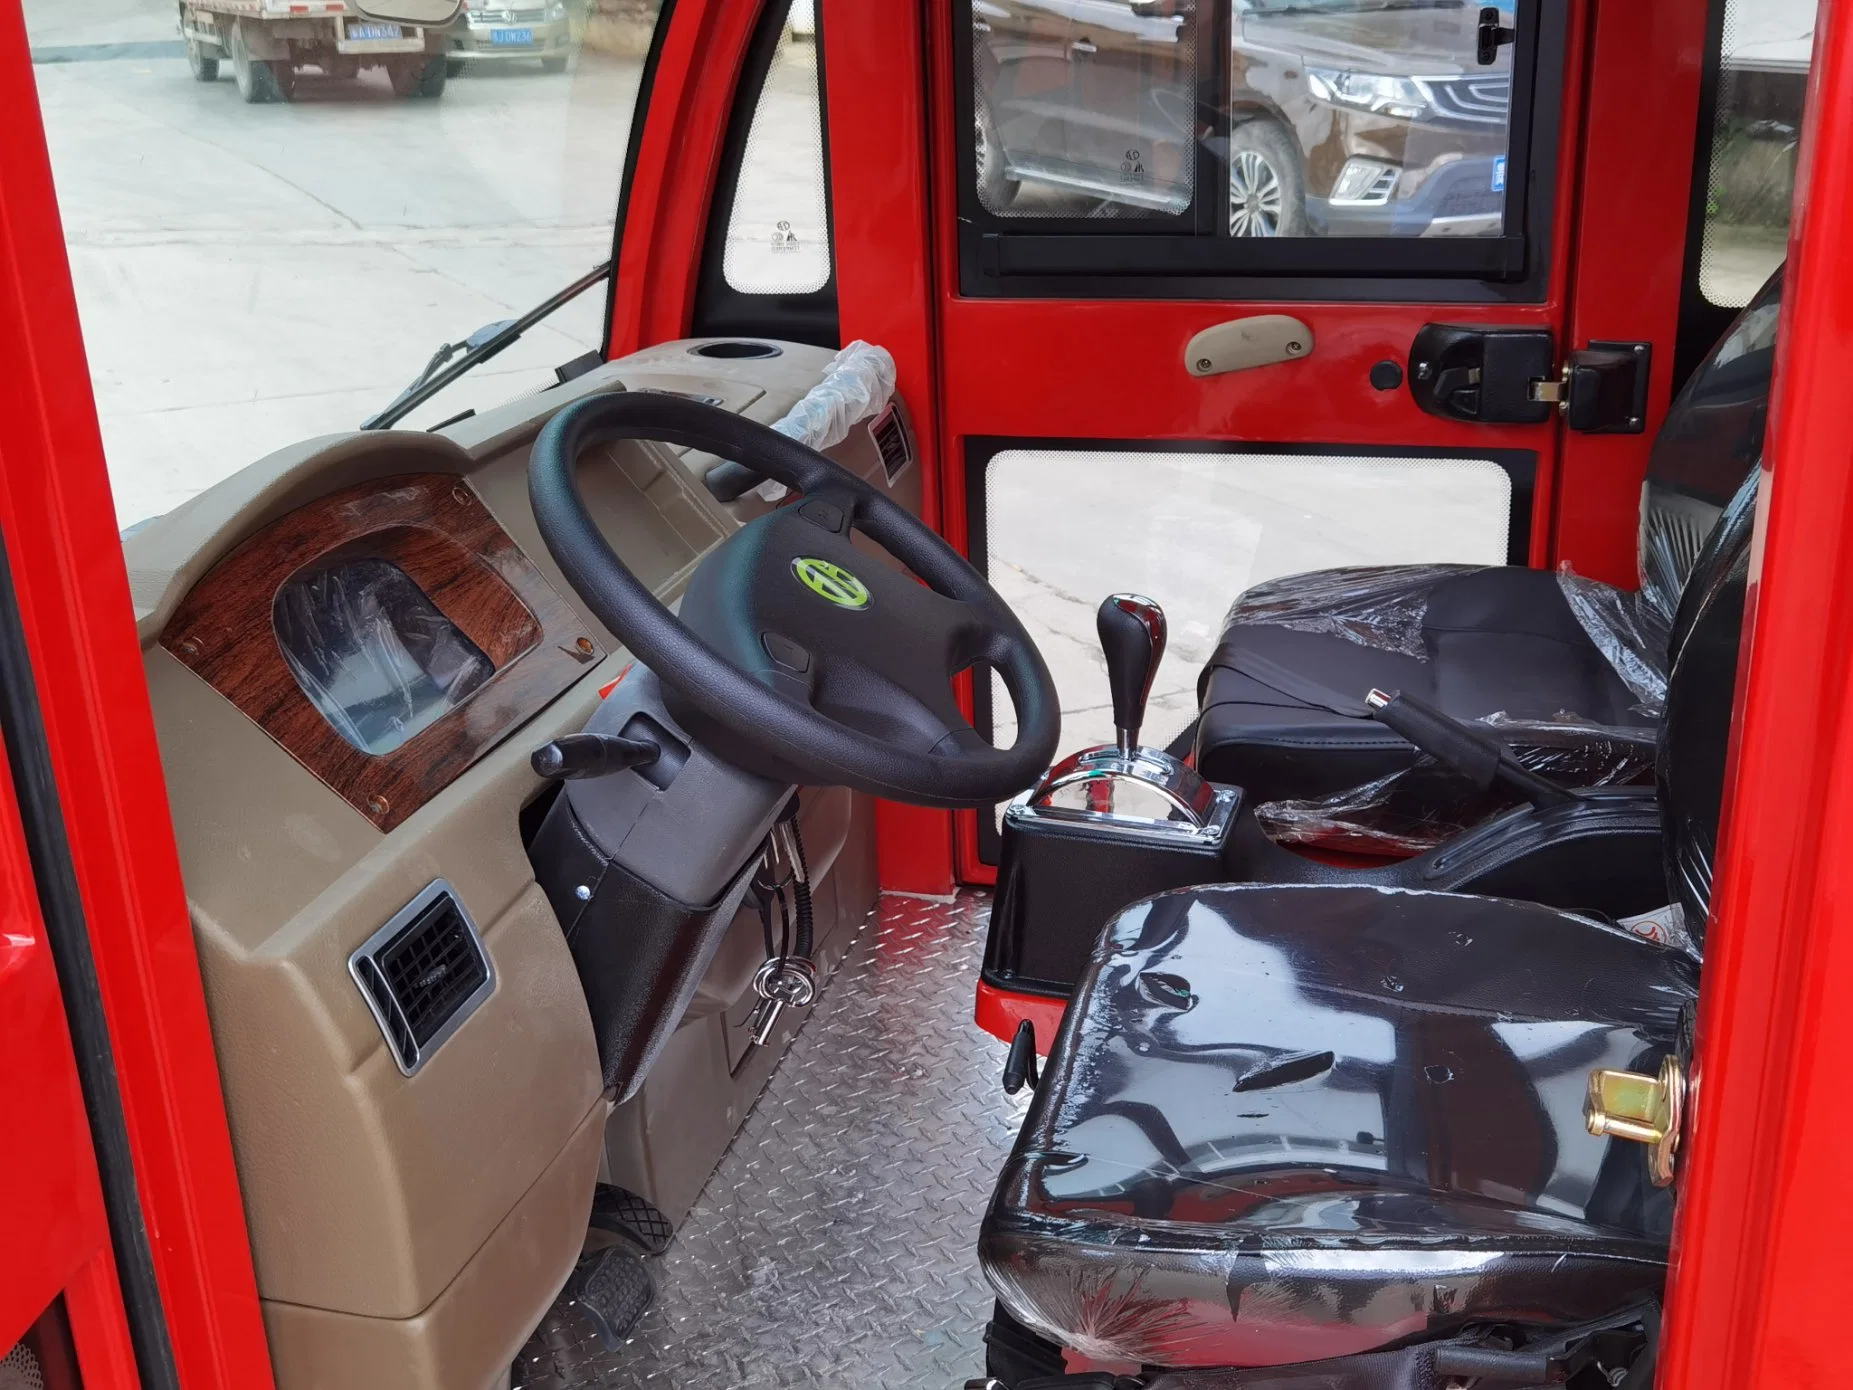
{"type": "Point", "coordinates": [1481, 758]}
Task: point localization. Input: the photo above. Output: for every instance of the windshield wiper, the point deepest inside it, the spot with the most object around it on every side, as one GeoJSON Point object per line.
{"type": "Point", "coordinates": [479, 347]}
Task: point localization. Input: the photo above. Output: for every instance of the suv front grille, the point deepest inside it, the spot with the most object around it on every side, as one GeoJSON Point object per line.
{"type": "Point", "coordinates": [423, 973]}
{"type": "Point", "coordinates": [1484, 98]}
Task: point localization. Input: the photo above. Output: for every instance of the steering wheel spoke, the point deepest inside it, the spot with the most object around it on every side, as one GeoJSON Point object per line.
{"type": "Point", "coordinates": [796, 653]}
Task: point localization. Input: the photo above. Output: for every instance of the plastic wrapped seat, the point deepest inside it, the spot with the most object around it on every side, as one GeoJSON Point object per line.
{"type": "Point", "coordinates": [1284, 1125]}
{"type": "Point", "coordinates": [1288, 1124]}
{"type": "Point", "coordinates": [1281, 699]}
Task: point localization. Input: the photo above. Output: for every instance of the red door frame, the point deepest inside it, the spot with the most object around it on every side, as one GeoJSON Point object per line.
{"type": "Point", "coordinates": [56, 1228]}
{"type": "Point", "coordinates": [1002, 369]}
{"type": "Point", "coordinates": [1760, 1286]}
{"type": "Point", "coordinates": [67, 570]}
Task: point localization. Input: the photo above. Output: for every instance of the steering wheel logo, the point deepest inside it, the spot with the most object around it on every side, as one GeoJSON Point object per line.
{"type": "Point", "coordinates": [831, 582]}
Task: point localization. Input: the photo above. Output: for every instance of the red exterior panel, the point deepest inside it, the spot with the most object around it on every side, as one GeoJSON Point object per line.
{"type": "Point", "coordinates": [684, 126]}
{"type": "Point", "coordinates": [59, 524]}
{"type": "Point", "coordinates": [874, 88]}
{"type": "Point", "coordinates": [1760, 1280]}
{"type": "Point", "coordinates": [1629, 234]}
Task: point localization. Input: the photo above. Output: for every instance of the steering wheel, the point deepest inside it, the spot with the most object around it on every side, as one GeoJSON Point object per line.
{"type": "Point", "coordinates": [798, 654]}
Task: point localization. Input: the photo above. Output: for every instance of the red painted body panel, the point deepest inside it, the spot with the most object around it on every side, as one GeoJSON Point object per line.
{"type": "Point", "coordinates": [1761, 1275]}
{"type": "Point", "coordinates": [883, 246]}
{"type": "Point", "coordinates": [999, 1012]}
{"type": "Point", "coordinates": [684, 127]}
{"type": "Point", "coordinates": [1114, 369]}
{"type": "Point", "coordinates": [1629, 231]}
{"type": "Point", "coordinates": [56, 1232]}
{"type": "Point", "coordinates": [67, 568]}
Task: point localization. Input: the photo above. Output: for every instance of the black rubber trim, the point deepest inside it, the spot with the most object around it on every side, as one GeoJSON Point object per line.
{"type": "Point", "coordinates": [1701, 323]}
{"type": "Point", "coordinates": [61, 905]}
{"type": "Point", "coordinates": [640, 114]}
{"type": "Point", "coordinates": [720, 310]}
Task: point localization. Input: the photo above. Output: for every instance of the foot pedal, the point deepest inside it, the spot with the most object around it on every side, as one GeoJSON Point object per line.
{"type": "Point", "coordinates": [621, 1212]}
{"type": "Point", "coordinates": [595, 1312]}
{"type": "Point", "coordinates": [614, 1288]}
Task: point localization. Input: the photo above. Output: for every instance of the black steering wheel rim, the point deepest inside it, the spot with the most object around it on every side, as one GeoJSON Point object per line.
{"type": "Point", "coordinates": [959, 771]}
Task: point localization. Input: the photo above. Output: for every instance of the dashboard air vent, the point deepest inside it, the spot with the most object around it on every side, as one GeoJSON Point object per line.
{"type": "Point", "coordinates": [897, 450]}
{"type": "Point", "coordinates": [423, 974]}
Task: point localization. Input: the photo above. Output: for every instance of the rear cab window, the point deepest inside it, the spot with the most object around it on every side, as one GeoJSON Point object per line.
{"type": "Point", "coordinates": [1219, 138]}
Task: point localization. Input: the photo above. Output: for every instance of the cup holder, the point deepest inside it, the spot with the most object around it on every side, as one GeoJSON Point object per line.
{"type": "Point", "coordinates": [735, 350]}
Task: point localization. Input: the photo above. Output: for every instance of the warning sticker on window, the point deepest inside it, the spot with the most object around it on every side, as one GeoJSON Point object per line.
{"type": "Point", "coordinates": [1499, 174]}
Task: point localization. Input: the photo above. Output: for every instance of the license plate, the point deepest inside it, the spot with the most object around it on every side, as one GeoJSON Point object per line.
{"type": "Point", "coordinates": [511, 36]}
{"type": "Point", "coordinates": [374, 31]}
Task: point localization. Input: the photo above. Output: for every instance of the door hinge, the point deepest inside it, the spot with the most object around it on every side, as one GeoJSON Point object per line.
{"type": "Point", "coordinates": [1491, 36]}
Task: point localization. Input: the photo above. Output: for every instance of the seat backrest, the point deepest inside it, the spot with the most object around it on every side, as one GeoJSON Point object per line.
{"type": "Point", "coordinates": [1712, 438]}
{"type": "Point", "coordinates": [1700, 690]}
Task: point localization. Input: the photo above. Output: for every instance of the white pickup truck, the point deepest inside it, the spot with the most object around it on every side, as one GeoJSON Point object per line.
{"type": "Point", "coordinates": [269, 41]}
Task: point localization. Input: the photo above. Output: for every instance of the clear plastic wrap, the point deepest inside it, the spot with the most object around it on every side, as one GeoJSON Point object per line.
{"type": "Point", "coordinates": [373, 653]}
{"type": "Point", "coordinates": [1414, 810]}
{"type": "Point", "coordinates": [1282, 1125]}
{"type": "Point", "coordinates": [1628, 628]}
{"type": "Point", "coordinates": [1385, 606]}
{"type": "Point", "coordinates": [857, 385]}
{"type": "Point", "coordinates": [1379, 606]}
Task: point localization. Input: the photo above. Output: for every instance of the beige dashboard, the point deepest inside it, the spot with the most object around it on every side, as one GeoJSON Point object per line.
{"type": "Point", "coordinates": [409, 1230]}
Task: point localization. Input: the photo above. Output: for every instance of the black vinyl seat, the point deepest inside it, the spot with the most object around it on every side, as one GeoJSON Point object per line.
{"type": "Point", "coordinates": [1343, 1125]}
{"type": "Point", "coordinates": [1280, 702]}
{"type": "Point", "coordinates": [1284, 1124]}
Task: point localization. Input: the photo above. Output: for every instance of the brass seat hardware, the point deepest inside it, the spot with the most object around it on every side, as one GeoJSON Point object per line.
{"type": "Point", "coordinates": [1644, 1109]}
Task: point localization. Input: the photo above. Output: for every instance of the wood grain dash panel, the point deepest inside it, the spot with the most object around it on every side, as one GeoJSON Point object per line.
{"type": "Point", "coordinates": [434, 528]}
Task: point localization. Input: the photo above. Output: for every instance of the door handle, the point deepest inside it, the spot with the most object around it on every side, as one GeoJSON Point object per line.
{"type": "Point", "coordinates": [1083, 47]}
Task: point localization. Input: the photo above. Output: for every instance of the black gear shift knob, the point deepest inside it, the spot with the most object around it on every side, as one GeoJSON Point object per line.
{"type": "Point", "coordinates": [1132, 637]}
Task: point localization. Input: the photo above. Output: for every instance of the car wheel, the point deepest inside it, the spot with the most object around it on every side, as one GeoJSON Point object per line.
{"type": "Point", "coordinates": [419, 77]}
{"type": "Point", "coordinates": [996, 189]}
{"type": "Point", "coordinates": [1267, 190]}
{"type": "Point", "coordinates": [257, 79]}
{"type": "Point", "coordinates": [553, 64]}
{"type": "Point", "coordinates": [204, 69]}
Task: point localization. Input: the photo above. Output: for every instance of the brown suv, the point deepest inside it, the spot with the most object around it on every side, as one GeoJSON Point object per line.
{"type": "Point", "coordinates": [1348, 117]}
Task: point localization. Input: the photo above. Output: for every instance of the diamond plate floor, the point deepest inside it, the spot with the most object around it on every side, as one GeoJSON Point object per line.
{"type": "Point", "coordinates": [835, 1246]}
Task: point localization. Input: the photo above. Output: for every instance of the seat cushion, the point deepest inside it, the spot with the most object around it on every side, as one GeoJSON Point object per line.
{"type": "Point", "coordinates": [1283, 1124]}
{"type": "Point", "coordinates": [1282, 698]}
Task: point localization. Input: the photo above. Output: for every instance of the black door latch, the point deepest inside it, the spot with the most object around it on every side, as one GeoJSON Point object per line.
{"type": "Point", "coordinates": [1491, 36]}
{"type": "Point", "coordinates": [1510, 376]}
{"type": "Point", "coordinates": [1484, 375]}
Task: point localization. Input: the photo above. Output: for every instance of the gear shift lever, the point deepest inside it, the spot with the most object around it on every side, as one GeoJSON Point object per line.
{"type": "Point", "coordinates": [1132, 636]}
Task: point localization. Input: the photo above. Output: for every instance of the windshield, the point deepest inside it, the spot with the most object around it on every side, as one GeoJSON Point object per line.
{"type": "Point", "coordinates": [274, 223]}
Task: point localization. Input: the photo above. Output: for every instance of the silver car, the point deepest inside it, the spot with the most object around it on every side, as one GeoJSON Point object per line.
{"type": "Point", "coordinates": [501, 30]}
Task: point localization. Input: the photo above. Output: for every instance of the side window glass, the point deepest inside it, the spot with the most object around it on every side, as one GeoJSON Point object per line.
{"type": "Point", "coordinates": [778, 231]}
{"type": "Point", "coordinates": [1762, 79]}
{"type": "Point", "coordinates": [1327, 118]}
